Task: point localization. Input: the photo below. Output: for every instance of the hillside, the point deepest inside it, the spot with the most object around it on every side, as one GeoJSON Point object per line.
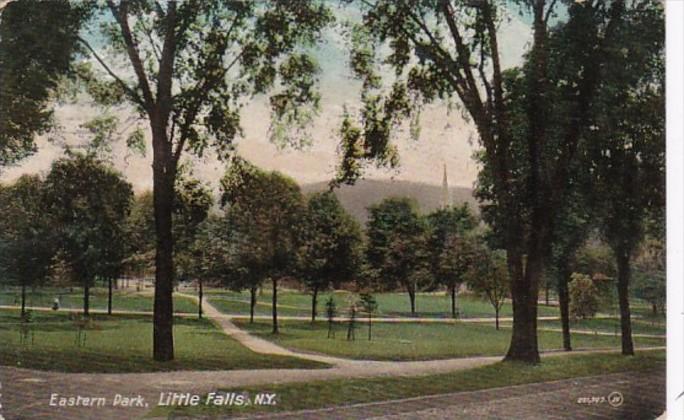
{"type": "Point", "coordinates": [356, 198]}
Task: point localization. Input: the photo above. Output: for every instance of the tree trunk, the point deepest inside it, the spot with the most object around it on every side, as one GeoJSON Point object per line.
{"type": "Point", "coordinates": [453, 301]}
{"type": "Point", "coordinates": [163, 191]}
{"type": "Point", "coordinates": [564, 303]}
{"type": "Point", "coordinates": [546, 292]}
{"type": "Point", "coordinates": [314, 299]}
{"type": "Point", "coordinates": [370, 324]}
{"type": "Point", "coordinates": [275, 306]}
{"type": "Point", "coordinates": [201, 296]}
{"type": "Point", "coordinates": [524, 292]}
{"type": "Point", "coordinates": [252, 303]}
{"type": "Point", "coordinates": [109, 298]}
{"type": "Point", "coordinates": [654, 308]}
{"type": "Point", "coordinates": [23, 299]}
{"type": "Point", "coordinates": [496, 317]}
{"type": "Point", "coordinates": [86, 299]}
{"type": "Point", "coordinates": [412, 298]}
{"type": "Point", "coordinates": [623, 298]}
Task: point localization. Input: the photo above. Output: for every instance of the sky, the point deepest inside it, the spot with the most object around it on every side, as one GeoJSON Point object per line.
{"type": "Point", "coordinates": [445, 139]}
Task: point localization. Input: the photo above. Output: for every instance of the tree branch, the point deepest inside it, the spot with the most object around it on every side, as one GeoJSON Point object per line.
{"type": "Point", "coordinates": [121, 15]}
{"type": "Point", "coordinates": [549, 11]}
{"type": "Point", "coordinates": [155, 47]}
{"type": "Point", "coordinates": [132, 93]}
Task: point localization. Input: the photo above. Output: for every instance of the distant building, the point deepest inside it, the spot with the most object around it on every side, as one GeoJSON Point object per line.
{"type": "Point", "coordinates": [446, 193]}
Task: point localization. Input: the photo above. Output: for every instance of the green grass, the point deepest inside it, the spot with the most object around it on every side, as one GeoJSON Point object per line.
{"type": "Point", "coordinates": [428, 305]}
{"type": "Point", "coordinates": [639, 326]}
{"type": "Point", "coordinates": [338, 392]}
{"type": "Point", "coordinates": [417, 341]}
{"type": "Point", "coordinates": [121, 343]}
{"type": "Point", "coordinates": [72, 298]}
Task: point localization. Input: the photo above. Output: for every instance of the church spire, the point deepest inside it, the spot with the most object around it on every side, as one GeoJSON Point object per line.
{"type": "Point", "coordinates": [446, 196]}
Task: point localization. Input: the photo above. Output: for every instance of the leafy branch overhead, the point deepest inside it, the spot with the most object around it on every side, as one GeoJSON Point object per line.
{"type": "Point", "coordinates": [196, 62]}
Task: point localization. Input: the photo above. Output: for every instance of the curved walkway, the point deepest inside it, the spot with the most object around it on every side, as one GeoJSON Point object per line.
{"type": "Point", "coordinates": [27, 393]}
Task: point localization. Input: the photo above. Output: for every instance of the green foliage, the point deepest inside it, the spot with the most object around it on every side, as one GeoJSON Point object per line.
{"type": "Point", "coordinates": [368, 303]}
{"type": "Point", "coordinates": [650, 274]}
{"type": "Point", "coordinates": [140, 234]}
{"type": "Point", "coordinates": [89, 203]}
{"type": "Point", "coordinates": [193, 200]}
{"type": "Point", "coordinates": [584, 296]}
{"type": "Point", "coordinates": [37, 47]}
{"type": "Point", "coordinates": [448, 240]}
{"type": "Point", "coordinates": [331, 241]}
{"type": "Point", "coordinates": [214, 54]}
{"type": "Point", "coordinates": [265, 212]}
{"type": "Point", "coordinates": [330, 314]}
{"type": "Point", "coordinates": [626, 145]}
{"type": "Point", "coordinates": [26, 240]}
{"type": "Point", "coordinates": [396, 246]}
{"type": "Point", "coordinates": [488, 276]}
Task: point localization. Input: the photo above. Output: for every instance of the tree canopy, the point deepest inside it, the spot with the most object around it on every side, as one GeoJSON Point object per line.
{"type": "Point", "coordinates": [89, 203]}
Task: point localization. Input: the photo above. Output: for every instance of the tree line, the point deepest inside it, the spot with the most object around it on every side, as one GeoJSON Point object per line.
{"type": "Point", "coordinates": [82, 223]}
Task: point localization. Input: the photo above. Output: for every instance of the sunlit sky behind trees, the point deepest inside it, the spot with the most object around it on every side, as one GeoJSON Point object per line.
{"type": "Point", "coordinates": [450, 139]}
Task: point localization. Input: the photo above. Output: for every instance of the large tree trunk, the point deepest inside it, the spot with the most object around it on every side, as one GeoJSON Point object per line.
{"type": "Point", "coordinates": [564, 303]}
{"type": "Point", "coordinates": [314, 298]}
{"type": "Point", "coordinates": [453, 301]}
{"type": "Point", "coordinates": [109, 298]}
{"type": "Point", "coordinates": [252, 303]}
{"type": "Point", "coordinates": [23, 299]}
{"type": "Point", "coordinates": [524, 292]}
{"type": "Point", "coordinates": [201, 296]}
{"type": "Point", "coordinates": [623, 298]}
{"type": "Point", "coordinates": [164, 176]}
{"type": "Point", "coordinates": [275, 306]}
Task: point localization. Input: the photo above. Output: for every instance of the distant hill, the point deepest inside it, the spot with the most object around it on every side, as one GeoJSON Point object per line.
{"type": "Point", "coordinates": [356, 198]}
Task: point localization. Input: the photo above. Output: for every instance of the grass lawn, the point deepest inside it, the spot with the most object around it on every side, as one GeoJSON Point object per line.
{"type": "Point", "coordinates": [121, 343]}
{"type": "Point", "coordinates": [639, 326]}
{"type": "Point", "coordinates": [416, 341]}
{"type": "Point", "coordinates": [428, 305]}
{"type": "Point", "coordinates": [128, 300]}
{"type": "Point", "coordinates": [331, 393]}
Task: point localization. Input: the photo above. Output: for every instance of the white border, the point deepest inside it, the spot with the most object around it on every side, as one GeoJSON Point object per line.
{"type": "Point", "coordinates": [675, 207]}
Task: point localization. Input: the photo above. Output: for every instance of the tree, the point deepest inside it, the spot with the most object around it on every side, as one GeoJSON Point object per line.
{"type": "Point", "coordinates": [88, 202]}
{"type": "Point", "coordinates": [650, 274]}
{"type": "Point", "coordinates": [369, 305]}
{"type": "Point", "coordinates": [331, 313]}
{"type": "Point", "coordinates": [266, 208]}
{"type": "Point", "coordinates": [186, 67]}
{"type": "Point", "coordinates": [331, 241]}
{"type": "Point", "coordinates": [584, 296]}
{"type": "Point", "coordinates": [351, 323]}
{"type": "Point", "coordinates": [449, 49]}
{"type": "Point", "coordinates": [37, 47]}
{"type": "Point", "coordinates": [488, 276]}
{"type": "Point", "coordinates": [627, 146]}
{"type": "Point", "coordinates": [140, 235]}
{"type": "Point", "coordinates": [223, 251]}
{"type": "Point", "coordinates": [448, 247]}
{"type": "Point", "coordinates": [396, 249]}
{"type": "Point", "coordinates": [573, 225]}
{"type": "Point", "coordinates": [26, 248]}
{"type": "Point", "coordinates": [192, 203]}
